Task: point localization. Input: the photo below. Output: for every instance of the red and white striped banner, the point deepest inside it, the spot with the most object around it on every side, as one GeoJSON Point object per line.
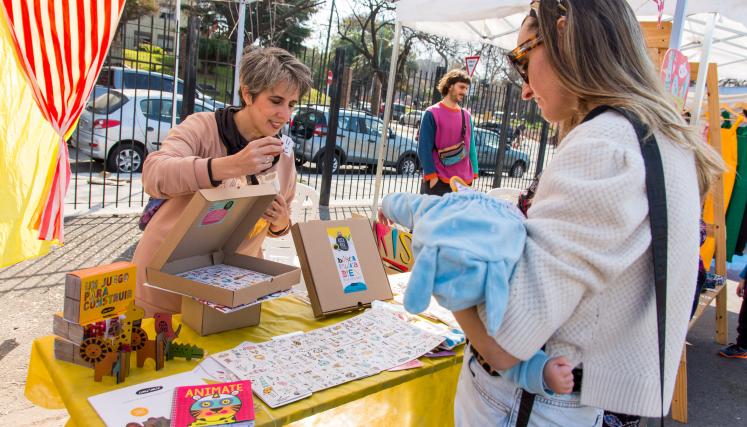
{"type": "Point", "coordinates": [61, 45]}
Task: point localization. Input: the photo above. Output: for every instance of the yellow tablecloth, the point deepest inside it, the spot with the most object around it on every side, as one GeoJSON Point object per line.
{"type": "Point", "coordinates": [422, 397]}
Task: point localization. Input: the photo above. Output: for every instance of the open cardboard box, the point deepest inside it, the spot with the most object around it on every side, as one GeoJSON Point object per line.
{"type": "Point", "coordinates": [209, 231]}
{"type": "Point", "coordinates": [206, 320]}
{"type": "Point", "coordinates": [327, 291]}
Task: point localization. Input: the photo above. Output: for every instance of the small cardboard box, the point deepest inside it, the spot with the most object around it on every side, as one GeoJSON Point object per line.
{"type": "Point", "coordinates": [210, 230]}
{"type": "Point", "coordinates": [206, 320]}
{"type": "Point", "coordinates": [340, 264]}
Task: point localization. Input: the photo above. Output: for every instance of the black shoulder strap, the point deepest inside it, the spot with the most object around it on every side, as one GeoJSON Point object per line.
{"type": "Point", "coordinates": [464, 125]}
{"type": "Point", "coordinates": [657, 212]}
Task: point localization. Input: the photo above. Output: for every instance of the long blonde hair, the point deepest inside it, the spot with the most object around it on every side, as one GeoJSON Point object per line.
{"type": "Point", "coordinates": [600, 56]}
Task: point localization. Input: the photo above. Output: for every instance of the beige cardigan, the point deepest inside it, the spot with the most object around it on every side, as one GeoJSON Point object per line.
{"type": "Point", "coordinates": [176, 172]}
{"type": "Point", "coordinates": [584, 284]}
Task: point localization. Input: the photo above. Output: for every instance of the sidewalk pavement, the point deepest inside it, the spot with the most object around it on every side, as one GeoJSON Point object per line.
{"type": "Point", "coordinates": [31, 291]}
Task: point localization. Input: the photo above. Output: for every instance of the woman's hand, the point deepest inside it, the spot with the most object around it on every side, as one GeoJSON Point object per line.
{"type": "Point", "coordinates": [254, 158]}
{"type": "Point", "coordinates": [278, 214]}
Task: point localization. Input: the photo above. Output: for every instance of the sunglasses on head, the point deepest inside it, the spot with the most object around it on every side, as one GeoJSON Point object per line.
{"type": "Point", "coordinates": [518, 57]}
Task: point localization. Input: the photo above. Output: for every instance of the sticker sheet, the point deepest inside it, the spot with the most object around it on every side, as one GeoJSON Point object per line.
{"type": "Point", "coordinates": [346, 259]}
{"type": "Point", "coordinates": [225, 276]}
{"type": "Point", "coordinates": [290, 368]}
{"type": "Point", "coordinates": [226, 310]}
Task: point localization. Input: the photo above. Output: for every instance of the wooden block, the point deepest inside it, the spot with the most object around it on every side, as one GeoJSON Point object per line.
{"type": "Point", "coordinates": [71, 310]}
{"type": "Point", "coordinates": [68, 330]}
{"type": "Point", "coordinates": [69, 352]}
{"type": "Point", "coordinates": [72, 287]}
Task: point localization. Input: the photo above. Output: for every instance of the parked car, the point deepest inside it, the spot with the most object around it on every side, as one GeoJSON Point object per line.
{"type": "Point", "coordinates": [493, 126]}
{"type": "Point", "coordinates": [129, 78]}
{"type": "Point", "coordinates": [398, 110]}
{"type": "Point", "coordinates": [412, 118]}
{"type": "Point", "coordinates": [121, 127]}
{"type": "Point", "coordinates": [358, 135]}
{"type": "Point", "coordinates": [488, 144]}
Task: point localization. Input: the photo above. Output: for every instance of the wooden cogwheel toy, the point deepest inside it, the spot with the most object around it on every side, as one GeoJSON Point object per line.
{"type": "Point", "coordinates": [139, 338]}
{"type": "Point", "coordinates": [94, 350]}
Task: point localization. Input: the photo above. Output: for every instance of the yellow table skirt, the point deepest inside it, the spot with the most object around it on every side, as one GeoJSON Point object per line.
{"type": "Point", "coordinates": [416, 397]}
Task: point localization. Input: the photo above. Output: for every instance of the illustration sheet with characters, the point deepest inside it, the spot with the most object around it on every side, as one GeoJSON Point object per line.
{"type": "Point", "coordinates": [291, 368]}
{"type": "Point", "coordinates": [225, 276]}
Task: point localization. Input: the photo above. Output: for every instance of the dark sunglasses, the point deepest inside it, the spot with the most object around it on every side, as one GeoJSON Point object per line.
{"type": "Point", "coordinates": [518, 57]}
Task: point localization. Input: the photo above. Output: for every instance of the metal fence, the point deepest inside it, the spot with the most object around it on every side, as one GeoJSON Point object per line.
{"type": "Point", "coordinates": [130, 113]}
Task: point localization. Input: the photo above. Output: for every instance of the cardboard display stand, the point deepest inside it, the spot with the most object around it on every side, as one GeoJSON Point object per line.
{"type": "Point", "coordinates": [209, 232]}
{"type": "Point", "coordinates": [340, 264]}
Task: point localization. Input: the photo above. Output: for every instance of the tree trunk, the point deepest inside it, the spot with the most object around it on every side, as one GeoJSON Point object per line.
{"type": "Point", "coordinates": [376, 95]}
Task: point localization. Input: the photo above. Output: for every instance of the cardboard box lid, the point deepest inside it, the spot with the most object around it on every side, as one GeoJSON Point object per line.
{"type": "Point", "coordinates": [215, 220]}
{"type": "Point", "coordinates": [320, 267]}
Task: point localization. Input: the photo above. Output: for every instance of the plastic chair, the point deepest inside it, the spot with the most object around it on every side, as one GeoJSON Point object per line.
{"type": "Point", "coordinates": [305, 205]}
{"type": "Point", "coordinates": [506, 193]}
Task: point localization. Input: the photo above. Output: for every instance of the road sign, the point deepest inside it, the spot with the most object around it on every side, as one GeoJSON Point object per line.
{"type": "Point", "coordinates": [471, 62]}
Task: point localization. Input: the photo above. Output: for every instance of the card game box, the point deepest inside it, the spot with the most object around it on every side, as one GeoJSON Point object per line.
{"type": "Point", "coordinates": [199, 258]}
{"type": "Point", "coordinates": [340, 264]}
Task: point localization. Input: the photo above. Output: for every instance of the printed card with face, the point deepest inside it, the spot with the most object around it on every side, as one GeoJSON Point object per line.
{"type": "Point", "coordinates": [287, 145]}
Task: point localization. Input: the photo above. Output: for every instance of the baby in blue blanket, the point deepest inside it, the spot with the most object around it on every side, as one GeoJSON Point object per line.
{"type": "Point", "coordinates": [466, 245]}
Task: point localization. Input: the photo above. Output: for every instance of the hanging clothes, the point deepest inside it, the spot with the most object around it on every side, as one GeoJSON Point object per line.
{"type": "Point", "coordinates": [735, 213]}
{"type": "Point", "coordinates": [729, 153]}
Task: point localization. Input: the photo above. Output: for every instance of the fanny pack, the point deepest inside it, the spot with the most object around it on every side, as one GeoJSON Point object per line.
{"type": "Point", "coordinates": [454, 154]}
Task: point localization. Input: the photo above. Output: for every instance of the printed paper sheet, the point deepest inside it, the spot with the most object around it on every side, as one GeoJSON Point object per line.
{"type": "Point", "coordinates": [288, 369]}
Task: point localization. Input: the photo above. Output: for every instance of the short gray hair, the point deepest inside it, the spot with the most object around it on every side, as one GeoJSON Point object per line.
{"type": "Point", "coordinates": [262, 68]}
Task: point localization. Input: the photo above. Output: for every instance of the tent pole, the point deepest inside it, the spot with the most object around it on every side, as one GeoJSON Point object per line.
{"type": "Point", "coordinates": [177, 57]}
{"type": "Point", "coordinates": [383, 142]}
{"type": "Point", "coordinates": [239, 51]}
{"type": "Point", "coordinates": [703, 69]}
{"type": "Point", "coordinates": [678, 24]}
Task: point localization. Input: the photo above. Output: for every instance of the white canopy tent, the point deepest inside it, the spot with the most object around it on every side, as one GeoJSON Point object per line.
{"type": "Point", "coordinates": [711, 31]}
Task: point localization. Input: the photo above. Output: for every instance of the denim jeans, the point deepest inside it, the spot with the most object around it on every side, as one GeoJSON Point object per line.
{"type": "Point", "coordinates": [483, 400]}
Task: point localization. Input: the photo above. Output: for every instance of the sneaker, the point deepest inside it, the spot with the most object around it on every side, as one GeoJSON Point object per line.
{"type": "Point", "coordinates": [733, 351]}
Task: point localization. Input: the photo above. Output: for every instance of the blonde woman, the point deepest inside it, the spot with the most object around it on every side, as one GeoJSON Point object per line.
{"type": "Point", "coordinates": [584, 286]}
{"type": "Point", "coordinates": [232, 147]}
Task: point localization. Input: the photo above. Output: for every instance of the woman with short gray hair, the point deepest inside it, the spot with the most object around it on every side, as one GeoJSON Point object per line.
{"type": "Point", "coordinates": [234, 146]}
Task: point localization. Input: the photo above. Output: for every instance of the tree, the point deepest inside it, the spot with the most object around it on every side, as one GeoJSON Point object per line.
{"type": "Point", "coordinates": [133, 9]}
{"type": "Point", "coordinates": [272, 23]}
{"type": "Point", "coordinates": [367, 34]}
{"type": "Point", "coordinates": [447, 48]}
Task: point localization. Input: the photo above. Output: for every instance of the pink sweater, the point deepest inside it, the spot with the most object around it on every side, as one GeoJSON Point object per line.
{"type": "Point", "coordinates": [176, 172]}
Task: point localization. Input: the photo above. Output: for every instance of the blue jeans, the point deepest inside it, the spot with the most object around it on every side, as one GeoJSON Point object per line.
{"type": "Point", "coordinates": [484, 400]}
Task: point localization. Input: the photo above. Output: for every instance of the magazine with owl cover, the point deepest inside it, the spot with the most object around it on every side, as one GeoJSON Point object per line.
{"type": "Point", "coordinates": [228, 403]}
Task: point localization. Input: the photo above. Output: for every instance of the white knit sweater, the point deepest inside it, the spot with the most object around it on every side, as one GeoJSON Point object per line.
{"type": "Point", "coordinates": [584, 284]}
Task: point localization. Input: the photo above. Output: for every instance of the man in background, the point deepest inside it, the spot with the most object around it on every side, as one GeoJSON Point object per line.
{"type": "Point", "coordinates": [445, 147]}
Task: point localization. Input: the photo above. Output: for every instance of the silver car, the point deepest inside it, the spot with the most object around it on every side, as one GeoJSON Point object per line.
{"type": "Point", "coordinates": [121, 127]}
{"type": "Point", "coordinates": [358, 135]}
{"type": "Point", "coordinates": [412, 118]}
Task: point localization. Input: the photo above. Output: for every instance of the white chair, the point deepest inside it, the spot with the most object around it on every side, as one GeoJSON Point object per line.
{"type": "Point", "coordinates": [305, 205]}
{"type": "Point", "coordinates": [505, 193]}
